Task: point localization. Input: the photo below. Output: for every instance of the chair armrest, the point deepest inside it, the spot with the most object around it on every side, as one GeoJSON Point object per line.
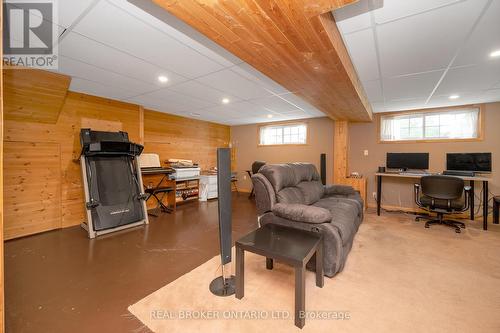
{"type": "Point", "coordinates": [302, 213]}
{"type": "Point", "coordinates": [339, 189]}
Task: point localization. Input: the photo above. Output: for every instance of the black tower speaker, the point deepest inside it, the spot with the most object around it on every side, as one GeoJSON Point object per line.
{"type": "Point", "coordinates": [224, 285]}
{"type": "Point", "coordinates": [323, 168]}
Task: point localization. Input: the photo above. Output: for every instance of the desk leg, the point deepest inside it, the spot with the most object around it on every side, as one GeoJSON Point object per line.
{"type": "Point", "coordinates": [485, 205]}
{"type": "Point", "coordinates": [300, 296]}
{"type": "Point", "coordinates": [240, 273]}
{"type": "Point", "coordinates": [379, 193]}
{"type": "Point", "coordinates": [471, 183]}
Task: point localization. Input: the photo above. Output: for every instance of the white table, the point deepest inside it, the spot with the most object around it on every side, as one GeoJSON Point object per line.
{"type": "Point", "coordinates": [471, 181]}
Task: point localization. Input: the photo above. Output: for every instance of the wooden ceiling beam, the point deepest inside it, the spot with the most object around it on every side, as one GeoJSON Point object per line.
{"type": "Point", "coordinates": [294, 42]}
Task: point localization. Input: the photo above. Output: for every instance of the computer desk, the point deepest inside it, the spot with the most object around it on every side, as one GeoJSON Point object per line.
{"type": "Point", "coordinates": [471, 180]}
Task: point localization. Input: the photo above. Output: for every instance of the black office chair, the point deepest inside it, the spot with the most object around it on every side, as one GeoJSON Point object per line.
{"type": "Point", "coordinates": [255, 168]}
{"type": "Point", "coordinates": [442, 195]}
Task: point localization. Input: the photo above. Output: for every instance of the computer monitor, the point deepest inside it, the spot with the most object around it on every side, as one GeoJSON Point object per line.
{"type": "Point", "coordinates": [477, 162]}
{"type": "Point", "coordinates": [419, 161]}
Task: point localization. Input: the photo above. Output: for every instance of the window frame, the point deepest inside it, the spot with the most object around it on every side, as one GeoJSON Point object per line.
{"type": "Point", "coordinates": [480, 125]}
{"type": "Point", "coordinates": [283, 123]}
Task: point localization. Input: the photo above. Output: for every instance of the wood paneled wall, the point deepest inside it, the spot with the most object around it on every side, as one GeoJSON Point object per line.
{"type": "Point", "coordinates": [177, 137]}
{"type": "Point", "coordinates": [36, 95]}
{"type": "Point", "coordinates": [2, 313]}
{"type": "Point", "coordinates": [43, 167]}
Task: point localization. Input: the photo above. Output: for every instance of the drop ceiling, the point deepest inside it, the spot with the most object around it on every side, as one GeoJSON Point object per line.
{"type": "Point", "coordinates": [413, 54]}
{"type": "Point", "coordinates": [114, 49]}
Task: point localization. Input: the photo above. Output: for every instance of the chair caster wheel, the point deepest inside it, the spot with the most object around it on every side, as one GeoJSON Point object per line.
{"type": "Point", "coordinates": [462, 226]}
{"type": "Point", "coordinates": [427, 226]}
{"type": "Point", "coordinates": [458, 231]}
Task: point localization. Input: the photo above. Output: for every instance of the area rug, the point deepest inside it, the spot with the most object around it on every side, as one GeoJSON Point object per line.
{"type": "Point", "coordinates": [399, 277]}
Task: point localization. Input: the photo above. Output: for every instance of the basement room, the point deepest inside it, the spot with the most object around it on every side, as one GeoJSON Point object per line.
{"type": "Point", "coordinates": [250, 165]}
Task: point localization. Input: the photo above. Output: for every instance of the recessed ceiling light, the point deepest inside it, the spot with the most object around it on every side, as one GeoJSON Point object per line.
{"type": "Point", "coordinates": [495, 54]}
{"type": "Point", "coordinates": [194, 114]}
{"type": "Point", "coordinates": [225, 101]}
{"type": "Point", "coordinates": [269, 116]}
{"type": "Point", "coordinates": [454, 96]}
{"type": "Point", "coordinates": [162, 78]}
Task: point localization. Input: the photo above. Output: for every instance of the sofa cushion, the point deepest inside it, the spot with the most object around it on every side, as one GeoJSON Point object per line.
{"type": "Point", "coordinates": [343, 217]}
{"type": "Point", "coordinates": [290, 195]}
{"type": "Point", "coordinates": [303, 172]}
{"type": "Point", "coordinates": [279, 175]}
{"type": "Point", "coordinates": [354, 197]}
{"type": "Point", "coordinates": [339, 190]}
{"type": "Point", "coordinates": [311, 190]}
{"type": "Point", "coordinates": [302, 213]}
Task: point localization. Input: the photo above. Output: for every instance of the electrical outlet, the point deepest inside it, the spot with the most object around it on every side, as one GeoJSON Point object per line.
{"type": "Point", "coordinates": [374, 195]}
{"type": "Point", "coordinates": [244, 177]}
{"type": "Point", "coordinates": [365, 152]}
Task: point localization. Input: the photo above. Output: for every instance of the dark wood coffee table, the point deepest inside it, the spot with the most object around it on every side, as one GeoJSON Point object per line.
{"type": "Point", "coordinates": [288, 245]}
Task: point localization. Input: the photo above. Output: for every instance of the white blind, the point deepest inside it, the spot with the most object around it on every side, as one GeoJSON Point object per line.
{"type": "Point", "coordinates": [283, 134]}
{"type": "Point", "coordinates": [446, 124]}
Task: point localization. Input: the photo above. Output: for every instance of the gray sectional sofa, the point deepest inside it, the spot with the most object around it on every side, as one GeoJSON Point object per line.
{"type": "Point", "coordinates": [293, 195]}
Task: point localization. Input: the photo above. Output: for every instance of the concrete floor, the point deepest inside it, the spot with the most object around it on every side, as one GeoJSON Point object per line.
{"type": "Point", "coordinates": [60, 281]}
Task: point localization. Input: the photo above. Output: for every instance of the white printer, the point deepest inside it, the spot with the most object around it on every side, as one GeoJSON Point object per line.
{"type": "Point", "coordinates": [184, 169]}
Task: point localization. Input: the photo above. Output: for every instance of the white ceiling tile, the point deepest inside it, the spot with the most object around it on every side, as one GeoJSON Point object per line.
{"type": "Point", "coordinates": [258, 78]}
{"type": "Point", "coordinates": [82, 70]}
{"type": "Point", "coordinates": [91, 52]}
{"type": "Point", "coordinates": [378, 107]}
{"type": "Point", "coordinates": [235, 84]}
{"type": "Point", "coordinates": [361, 47]}
{"type": "Point", "coordinates": [484, 40]}
{"type": "Point", "coordinates": [470, 78]}
{"type": "Point", "coordinates": [394, 9]}
{"type": "Point", "coordinates": [70, 10]}
{"type": "Point", "coordinates": [172, 101]}
{"type": "Point", "coordinates": [174, 27]}
{"type": "Point", "coordinates": [117, 28]}
{"type": "Point", "coordinates": [465, 98]}
{"type": "Point", "coordinates": [408, 104]}
{"type": "Point", "coordinates": [411, 86]}
{"type": "Point", "coordinates": [297, 101]}
{"type": "Point", "coordinates": [353, 17]}
{"type": "Point", "coordinates": [275, 103]}
{"type": "Point", "coordinates": [427, 41]}
{"type": "Point", "coordinates": [96, 89]}
{"type": "Point", "coordinates": [239, 110]}
{"type": "Point", "coordinates": [373, 90]}
{"type": "Point", "coordinates": [491, 95]}
{"type": "Point", "coordinates": [200, 91]}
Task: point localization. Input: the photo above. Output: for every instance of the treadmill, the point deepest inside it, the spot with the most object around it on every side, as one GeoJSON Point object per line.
{"type": "Point", "coordinates": [114, 197]}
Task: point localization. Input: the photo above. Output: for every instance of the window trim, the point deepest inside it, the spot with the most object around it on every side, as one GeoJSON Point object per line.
{"type": "Point", "coordinates": [283, 123]}
{"type": "Point", "coordinates": [480, 124]}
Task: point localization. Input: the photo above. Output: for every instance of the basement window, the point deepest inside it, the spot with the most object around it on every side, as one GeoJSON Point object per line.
{"type": "Point", "coordinates": [283, 134]}
{"type": "Point", "coordinates": [455, 124]}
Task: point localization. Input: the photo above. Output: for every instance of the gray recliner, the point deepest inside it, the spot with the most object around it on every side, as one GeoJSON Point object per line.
{"type": "Point", "coordinates": [293, 195]}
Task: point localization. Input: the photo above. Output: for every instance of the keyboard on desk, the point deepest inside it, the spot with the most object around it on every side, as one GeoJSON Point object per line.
{"type": "Point", "coordinates": [415, 173]}
{"type": "Point", "coordinates": [156, 170]}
